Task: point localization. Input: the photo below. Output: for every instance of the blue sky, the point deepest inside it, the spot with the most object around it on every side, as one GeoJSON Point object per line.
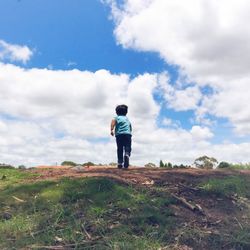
{"type": "Point", "coordinates": [79, 33]}
{"type": "Point", "coordinates": [172, 64]}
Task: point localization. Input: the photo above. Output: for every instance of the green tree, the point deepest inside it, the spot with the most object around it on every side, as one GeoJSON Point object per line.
{"type": "Point", "coordinates": [21, 167]}
{"type": "Point", "coordinates": [89, 163]}
{"type": "Point", "coordinates": [205, 162]}
{"type": "Point", "coordinates": [168, 165]}
{"type": "Point", "coordinates": [162, 165]}
{"type": "Point", "coordinates": [150, 165]}
{"type": "Point", "coordinates": [68, 163]}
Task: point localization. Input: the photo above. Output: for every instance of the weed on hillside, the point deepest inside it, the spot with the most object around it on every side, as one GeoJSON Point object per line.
{"type": "Point", "coordinates": [103, 213]}
{"type": "Point", "coordinates": [94, 213]}
{"type": "Point", "coordinates": [232, 185]}
{"type": "Point", "coordinates": [13, 176]}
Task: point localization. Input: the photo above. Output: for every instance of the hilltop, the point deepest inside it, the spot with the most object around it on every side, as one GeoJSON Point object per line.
{"type": "Point", "coordinates": [141, 208]}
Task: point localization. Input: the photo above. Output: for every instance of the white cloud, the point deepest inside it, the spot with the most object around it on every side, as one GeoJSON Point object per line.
{"type": "Point", "coordinates": [31, 144]}
{"type": "Point", "coordinates": [201, 132]}
{"type": "Point", "coordinates": [14, 52]}
{"type": "Point", "coordinates": [71, 64]}
{"type": "Point", "coordinates": [47, 116]}
{"type": "Point", "coordinates": [233, 103]}
{"type": "Point", "coordinates": [74, 107]}
{"type": "Point", "coordinates": [140, 97]}
{"type": "Point", "coordinates": [170, 123]}
{"type": "Point", "coordinates": [54, 116]}
{"type": "Point", "coordinates": [208, 40]}
{"type": "Point", "coordinates": [181, 99]}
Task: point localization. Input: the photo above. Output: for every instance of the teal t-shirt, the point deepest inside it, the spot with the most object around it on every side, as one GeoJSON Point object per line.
{"type": "Point", "coordinates": [123, 125]}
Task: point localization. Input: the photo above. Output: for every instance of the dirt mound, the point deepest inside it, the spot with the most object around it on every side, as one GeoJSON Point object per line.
{"type": "Point", "coordinates": [52, 167]}
{"type": "Point", "coordinates": [137, 175]}
{"type": "Point", "coordinates": [208, 215]}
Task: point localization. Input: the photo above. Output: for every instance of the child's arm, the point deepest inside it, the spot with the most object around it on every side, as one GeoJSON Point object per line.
{"type": "Point", "coordinates": [113, 123]}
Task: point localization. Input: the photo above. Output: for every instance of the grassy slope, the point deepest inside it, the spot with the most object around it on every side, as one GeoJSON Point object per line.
{"type": "Point", "coordinates": [84, 213]}
{"type": "Point", "coordinates": [237, 188]}
{"type": "Point", "coordinates": [99, 213]}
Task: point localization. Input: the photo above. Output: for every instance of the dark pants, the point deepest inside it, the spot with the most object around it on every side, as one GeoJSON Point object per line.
{"type": "Point", "coordinates": [123, 144]}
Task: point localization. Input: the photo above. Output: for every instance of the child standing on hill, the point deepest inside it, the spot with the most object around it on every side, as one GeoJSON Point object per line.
{"type": "Point", "coordinates": [123, 135]}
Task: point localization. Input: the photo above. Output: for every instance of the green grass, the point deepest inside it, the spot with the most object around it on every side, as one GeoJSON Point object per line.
{"type": "Point", "coordinates": [100, 213]}
{"type": "Point", "coordinates": [12, 177]}
{"type": "Point", "coordinates": [207, 239]}
{"type": "Point", "coordinates": [90, 213]}
{"type": "Point", "coordinates": [241, 238]}
{"type": "Point", "coordinates": [227, 186]}
{"type": "Point", "coordinates": [234, 236]}
{"type": "Point", "coordinates": [240, 166]}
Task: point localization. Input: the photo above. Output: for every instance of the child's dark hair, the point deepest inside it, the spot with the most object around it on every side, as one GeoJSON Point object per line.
{"type": "Point", "coordinates": [121, 109]}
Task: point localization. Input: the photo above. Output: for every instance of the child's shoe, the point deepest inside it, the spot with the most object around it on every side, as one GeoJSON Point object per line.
{"type": "Point", "coordinates": [126, 161]}
{"type": "Point", "coordinates": [119, 165]}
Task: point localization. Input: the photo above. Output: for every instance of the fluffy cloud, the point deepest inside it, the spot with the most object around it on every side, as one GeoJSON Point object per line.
{"type": "Point", "coordinates": [179, 98]}
{"type": "Point", "coordinates": [201, 133]}
{"type": "Point", "coordinates": [32, 143]}
{"type": "Point", "coordinates": [197, 35]}
{"type": "Point", "coordinates": [231, 102]}
{"type": "Point", "coordinates": [208, 40]}
{"type": "Point", "coordinates": [14, 52]}
{"type": "Point", "coordinates": [48, 116]}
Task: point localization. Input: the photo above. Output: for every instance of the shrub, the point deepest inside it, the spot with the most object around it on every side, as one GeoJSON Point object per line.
{"type": "Point", "coordinates": [150, 165]}
{"type": "Point", "coordinates": [6, 166]}
{"type": "Point", "coordinates": [169, 165]}
{"type": "Point", "coordinates": [21, 167]}
{"type": "Point", "coordinates": [165, 165]}
{"type": "Point", "coordinates": [224, 164]}
{"type": "Point", "coordinates": [89, 163]}
{"type": "Point", "coordinates": [181, 166]}
{"type": "Point", "coordinates": [68, 163]}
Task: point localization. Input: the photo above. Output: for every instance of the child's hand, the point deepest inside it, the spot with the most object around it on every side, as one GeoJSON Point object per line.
{"type": "Point", "coordinates": [113, 123]}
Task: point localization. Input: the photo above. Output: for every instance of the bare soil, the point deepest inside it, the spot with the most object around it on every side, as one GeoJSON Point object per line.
{"type": "Point", "coordinates": [137, 175]}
